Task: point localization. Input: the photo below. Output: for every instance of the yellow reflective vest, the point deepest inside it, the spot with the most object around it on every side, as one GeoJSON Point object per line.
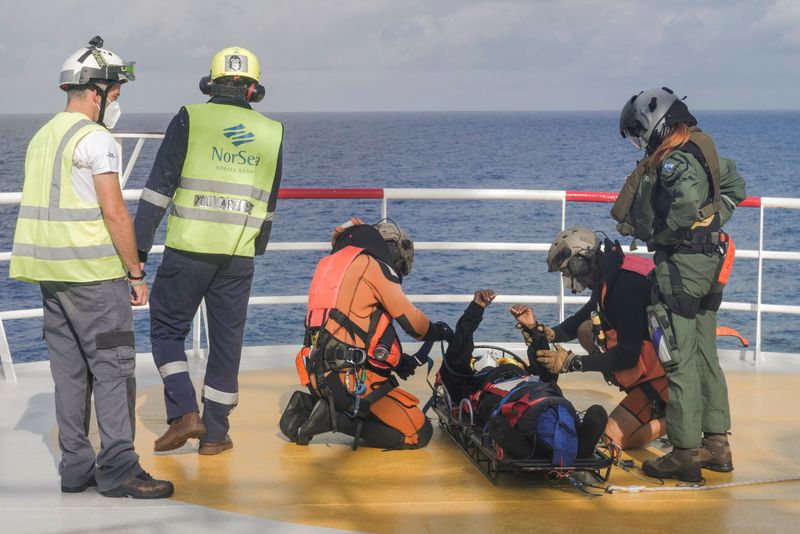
{"type": "Point", "coordinates": [60, 237]}
{"type": "Point", "coordinates": [226, 180]}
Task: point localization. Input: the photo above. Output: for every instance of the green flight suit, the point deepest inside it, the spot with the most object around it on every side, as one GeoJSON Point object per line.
{"type": "Point", "coordinates": [698, 394]}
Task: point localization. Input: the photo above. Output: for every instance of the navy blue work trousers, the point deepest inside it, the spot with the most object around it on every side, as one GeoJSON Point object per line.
{"type": "Point", "coordinates": [184, 279]}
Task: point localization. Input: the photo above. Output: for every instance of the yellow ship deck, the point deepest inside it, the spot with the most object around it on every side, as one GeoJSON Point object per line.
{"type": "Point", "coordinates": [268, 483]}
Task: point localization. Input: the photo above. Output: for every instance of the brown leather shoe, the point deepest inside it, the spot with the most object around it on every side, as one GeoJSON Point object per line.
{"type": "Point", "coordinates": [208, 448]}
{"type": "Point", "coordinates": [184, 427]}
{"type": "Point", "coordinates": [142, 486]}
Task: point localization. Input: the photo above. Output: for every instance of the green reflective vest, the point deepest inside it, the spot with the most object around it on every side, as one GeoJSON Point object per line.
{"type": "Point", "coordinates": [59, 237]}
{"type": "Point", "coordinates": [226, 180]}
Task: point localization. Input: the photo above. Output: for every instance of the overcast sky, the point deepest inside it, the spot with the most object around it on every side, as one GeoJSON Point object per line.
{"type": "Point", "coordinates": [340, 55]}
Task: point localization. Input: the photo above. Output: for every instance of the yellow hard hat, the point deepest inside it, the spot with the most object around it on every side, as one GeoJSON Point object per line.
{"type": "Point", "coordinates": [235, 61]}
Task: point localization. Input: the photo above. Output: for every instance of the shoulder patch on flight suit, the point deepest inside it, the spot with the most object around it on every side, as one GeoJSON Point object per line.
{"type": "Point", "coordinates": [674, 165]}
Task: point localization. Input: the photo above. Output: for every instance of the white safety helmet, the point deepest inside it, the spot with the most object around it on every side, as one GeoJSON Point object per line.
{"type": "Point", "coordinates": [94, 64]}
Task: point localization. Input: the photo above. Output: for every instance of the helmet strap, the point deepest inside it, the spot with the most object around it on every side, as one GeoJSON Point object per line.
{"type": "Point", "coordinates": [103, 100]}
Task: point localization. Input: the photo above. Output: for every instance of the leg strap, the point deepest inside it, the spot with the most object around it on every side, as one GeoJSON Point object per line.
{"type": "Point", "coordinates": [657, 403]}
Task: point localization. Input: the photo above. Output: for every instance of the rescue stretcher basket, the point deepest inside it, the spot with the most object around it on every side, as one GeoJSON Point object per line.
{"type": "Point", "coordinates": [458, 423]}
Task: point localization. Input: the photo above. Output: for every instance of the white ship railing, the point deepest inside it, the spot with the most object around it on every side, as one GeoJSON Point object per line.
{"type": "Point", "coordinates": [387, 194]}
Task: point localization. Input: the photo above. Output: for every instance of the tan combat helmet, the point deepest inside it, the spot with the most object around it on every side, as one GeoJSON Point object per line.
{"type": "Point", "coordinates": [574, 253]}
{"type": "Point", "coordinates": [400, 245]}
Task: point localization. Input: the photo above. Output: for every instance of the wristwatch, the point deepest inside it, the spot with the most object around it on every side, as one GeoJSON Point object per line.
{"type": "Point", "coordinates": [576, 364]}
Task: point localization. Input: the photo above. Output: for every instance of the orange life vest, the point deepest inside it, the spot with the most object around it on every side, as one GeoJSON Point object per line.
{"type": "Point", "coordinates": [323, 296]}
{"type": "Point", "coordinates": [648, 367]}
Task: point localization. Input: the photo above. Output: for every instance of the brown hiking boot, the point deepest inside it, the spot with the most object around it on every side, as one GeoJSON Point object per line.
{"type": "Point", "coordinates": [208, 448]}
{"type": "Point", "coordinates": [184, 427]}
{"type": "Point", "coordinates": [683, 464]}
{"type": "Point", "coordinates": [142, 486]}
{"type": "Point", "coordinates": [716, 453]}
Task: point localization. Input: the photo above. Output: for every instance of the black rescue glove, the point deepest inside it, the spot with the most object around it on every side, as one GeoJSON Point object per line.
{"type": "Point", "coordinates": [443, 332]}
{"type": "Point", "coordinates": [408, 364]}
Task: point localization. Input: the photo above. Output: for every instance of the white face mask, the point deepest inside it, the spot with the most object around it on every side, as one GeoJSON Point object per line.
{"type": "Point", "coordinates": [112, 114]}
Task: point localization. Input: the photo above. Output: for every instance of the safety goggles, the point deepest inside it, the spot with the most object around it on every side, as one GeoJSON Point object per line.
{"type": "Point", "coordinates": [125, 71]}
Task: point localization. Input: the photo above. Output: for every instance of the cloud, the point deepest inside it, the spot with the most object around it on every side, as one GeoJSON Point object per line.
{"type": "Point", "coordinates": [419, 54]}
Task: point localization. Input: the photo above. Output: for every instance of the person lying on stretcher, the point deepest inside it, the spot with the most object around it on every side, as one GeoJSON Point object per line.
{"type": "Point", "coordinates": [520, 406]}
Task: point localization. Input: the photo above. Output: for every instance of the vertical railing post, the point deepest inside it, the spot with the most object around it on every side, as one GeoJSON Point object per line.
{"type": "Point", "coordinates": [5, 356]}
{"type": "Point", "coordinates": [384, 206]}
{"type": "Point", "coordinates": [134, 157]}
{"type": "Point", "coordinates": [560, 284]}
{"type": "Point", "coordinates": [760, 282]}
{"type": "Point", "coordinates": [197, 331]}
{"type": "Point", "coordinates": [204, 311]}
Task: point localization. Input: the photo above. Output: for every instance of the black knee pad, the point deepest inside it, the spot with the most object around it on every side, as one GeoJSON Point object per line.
{"type": "Point", "coordinates": [296, 413]}
{"type": "Point", "coordinates": [425, 434]}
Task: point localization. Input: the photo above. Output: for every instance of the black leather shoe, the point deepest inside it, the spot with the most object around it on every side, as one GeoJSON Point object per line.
{"type": "Point", "coordinates": [79, 489]}
{"type": "Point", "coordinates": [318, 422]}
{"type": "Point", "coordinates": [142, 486]}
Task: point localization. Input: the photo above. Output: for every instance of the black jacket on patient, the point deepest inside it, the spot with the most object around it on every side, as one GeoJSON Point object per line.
{"type": "Point", "coordinates": [535, 420]}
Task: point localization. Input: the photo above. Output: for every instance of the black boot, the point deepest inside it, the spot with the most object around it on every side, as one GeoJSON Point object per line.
{"type": "Point", "coordinates": [296, 413]}
{"type": "Point", "coordinates": [592, 427]}
{"type": "Point", "coordinates": [318, 422]}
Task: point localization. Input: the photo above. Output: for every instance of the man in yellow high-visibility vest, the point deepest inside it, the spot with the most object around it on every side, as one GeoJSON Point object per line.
{"type": "Point", "coordinates": [74, 238]}
{"type": "Point", "coordinates": [218, 171]}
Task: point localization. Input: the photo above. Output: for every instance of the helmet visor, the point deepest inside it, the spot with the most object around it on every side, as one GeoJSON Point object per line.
{"type": "Point", "coordinates": [124, 72]}
{"type": "Point", "coordinates": [636, 141]}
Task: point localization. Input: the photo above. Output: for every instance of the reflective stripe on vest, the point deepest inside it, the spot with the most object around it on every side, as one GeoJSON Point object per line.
{"type": "Point", "coordinates": [648, 366]}
{"type": "Point", "coordinates": [59, 236]}
{"type": "Point", "coordinates": [227, 178]}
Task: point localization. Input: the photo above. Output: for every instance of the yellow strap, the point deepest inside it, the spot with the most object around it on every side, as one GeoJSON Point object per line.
{"type": "Point", "coordinates": [704, 222]}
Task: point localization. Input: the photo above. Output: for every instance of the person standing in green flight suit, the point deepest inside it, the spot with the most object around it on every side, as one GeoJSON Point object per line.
{"type": "Point", "coordinates": [677, 200]}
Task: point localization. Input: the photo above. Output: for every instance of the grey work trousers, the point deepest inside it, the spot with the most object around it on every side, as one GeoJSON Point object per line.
{"type": "Point", "coordinates": [89, 334]}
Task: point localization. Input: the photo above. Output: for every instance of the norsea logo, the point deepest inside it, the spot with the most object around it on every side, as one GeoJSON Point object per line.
{"type": "Point", "coordinates": [238, 135]}
{"type": "Point", "coordinates": [236, 158]}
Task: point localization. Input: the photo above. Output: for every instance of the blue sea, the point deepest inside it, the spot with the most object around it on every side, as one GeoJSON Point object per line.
{"type": "Point", "coordinates": [529, 150]}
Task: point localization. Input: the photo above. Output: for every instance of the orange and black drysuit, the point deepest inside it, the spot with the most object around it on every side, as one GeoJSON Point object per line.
{"type": "Point", "coordinates": [351, 347]}
{"type": "Point", "coordinates": [627, 359]}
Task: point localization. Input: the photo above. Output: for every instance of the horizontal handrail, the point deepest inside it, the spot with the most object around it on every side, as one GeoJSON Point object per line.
{"type": "Point", "coordinates": [356, 193]}
{"type": "Point", "coordinates": [272, 300]}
